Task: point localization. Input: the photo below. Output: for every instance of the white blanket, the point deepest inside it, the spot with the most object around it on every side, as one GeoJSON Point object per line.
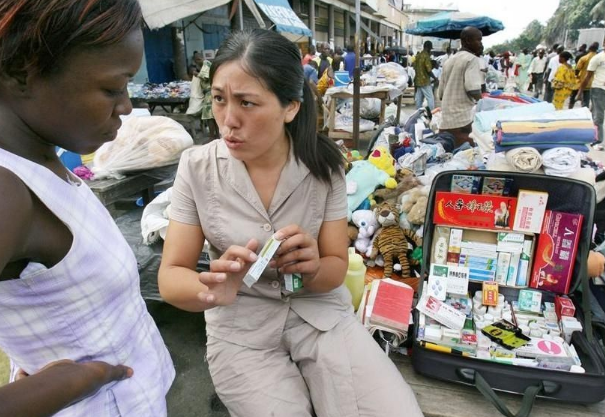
{"type": "Point", "coordinates": [154, 221]}
{"type": "Point", "coordinates": [526, 159]}
{"type": "Point", "coordinates": [561, 162]}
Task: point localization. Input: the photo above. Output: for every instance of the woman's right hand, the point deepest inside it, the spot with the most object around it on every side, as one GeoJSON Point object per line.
{"type": "Point", "coordinates": [87, 377]}
{"type": "Point", "coordinates": [227, 274]}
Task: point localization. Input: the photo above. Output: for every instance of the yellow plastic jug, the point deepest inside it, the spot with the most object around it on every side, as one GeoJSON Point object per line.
{"type": "Point", "coordinates": [355, 279]}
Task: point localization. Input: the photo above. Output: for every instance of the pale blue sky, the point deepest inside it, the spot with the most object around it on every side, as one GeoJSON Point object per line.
{"type": "Point", "coordinates": [514, 14]}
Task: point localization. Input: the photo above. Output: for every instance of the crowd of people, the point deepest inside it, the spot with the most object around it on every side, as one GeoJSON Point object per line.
{"type": "Point", "coordinates": [557, 76]}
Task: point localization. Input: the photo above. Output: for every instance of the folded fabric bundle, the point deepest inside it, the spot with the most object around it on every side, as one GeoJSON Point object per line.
{"type": "Point", "coordinates": [498, 162]}
{"type": "Point", "coordinates": [560, 132]}
{"type": "Point", "coordinates": [485, 120]}
{"type": "Point", "coordinates": [561, 162]}
{"type": "Point", "coordinates": [514, 97]}
{"type": "Point", "coordinates": [541, 147]}
{"type": "Point", "coordinates": [524, 159]}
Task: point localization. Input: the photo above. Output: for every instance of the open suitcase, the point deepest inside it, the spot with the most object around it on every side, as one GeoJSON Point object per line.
{"type": "Point", "coordinates": [564, 195]}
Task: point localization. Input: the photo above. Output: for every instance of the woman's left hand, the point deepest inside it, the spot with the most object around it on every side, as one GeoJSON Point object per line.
{"type": "Point", "coordinates": [298, 252]}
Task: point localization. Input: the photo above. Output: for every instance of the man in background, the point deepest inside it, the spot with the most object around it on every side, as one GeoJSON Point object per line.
{"type": "Point", "coordinates": [349, 60]}
{"type": "Point", "coordinates": [551, 70]}
{"type": "Point", "coordinates": [581, 69]}
{"type": "Point", "coordinates": [536, 71]}
{"type": "Point", "coordinates": [443, 58]}
{"type": "Point", "coordinates": [309, 56]}
{"type": "Point", "coordinates": [424, 73]}
{"type": "Point", "coordinates": [595, 74]}
{"type": "Point", "coordinates": [324, 60]}
{"type": "Point", "coordinates": [460, 87]}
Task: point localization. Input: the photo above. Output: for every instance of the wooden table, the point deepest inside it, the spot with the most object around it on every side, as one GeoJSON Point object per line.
{"type": "Point", "coordinates": [110, 190]}
{"type": "Point", "coordinates": [348, 136]}
{"type": "Point", "coordinates": [447, 399]}
{"type": "Point", "coordinates": [164, 103]}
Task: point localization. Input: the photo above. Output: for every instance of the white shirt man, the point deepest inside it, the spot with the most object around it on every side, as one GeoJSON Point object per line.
{"type": "Point", "coordinates": [553, 66]}
{"type": "Point", "coordinates": [537, 65]}
{"type": "Point", "coordinates": [596, 71]}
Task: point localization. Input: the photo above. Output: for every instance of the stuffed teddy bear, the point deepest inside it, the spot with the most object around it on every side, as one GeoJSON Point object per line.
{"type": "Point", "coordinates": [413, 202]}
{"type": "Point", "coordinates": [382, 159]}
{"type": "Point", "coordinates": [365, 220]}
{"type": "Point", "coordinates": [393, 241]}
{"type": "Point", "coordinates": [406, 180]}
{"type": "Point", "coordinates": [362, 180]}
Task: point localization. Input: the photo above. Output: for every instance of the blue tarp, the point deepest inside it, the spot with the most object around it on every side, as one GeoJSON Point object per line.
{"type": "Point", "coordinates": [280, 13]}
{"type": "Point", "coordinates": [450, 24]}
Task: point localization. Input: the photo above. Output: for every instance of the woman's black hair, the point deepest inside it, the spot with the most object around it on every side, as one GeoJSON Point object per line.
{"type": "Point", "coordinates": [275, 61]}
{"type": "Point", "coordinates": [38, 34]}
{"type": "Point", "coordinates": [565, 55]}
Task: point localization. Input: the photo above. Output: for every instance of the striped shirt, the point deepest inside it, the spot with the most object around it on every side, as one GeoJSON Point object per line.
{"type": "Point", "coordinates": [88, 306]}
{"type": "Point", "coordinates": [461, 74]}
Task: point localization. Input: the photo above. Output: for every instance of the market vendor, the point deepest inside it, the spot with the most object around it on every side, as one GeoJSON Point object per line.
{"type": "Point", "coordinates": [460, 87]}
{"type": "Point", "coordinates": [273, 350]}
{"type": "Point", "coordinates": [200, 102]}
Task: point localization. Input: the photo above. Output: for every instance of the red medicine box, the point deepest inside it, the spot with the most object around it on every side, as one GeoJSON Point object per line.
{"type": "Point", "coordinates": [564, 307]}
{"type": "Point", "coordinates": [556, 253]}
{"type": "Point", "coordinates": [474, 210]}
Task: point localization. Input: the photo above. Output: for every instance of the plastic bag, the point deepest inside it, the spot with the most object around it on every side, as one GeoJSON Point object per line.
{"type": "Point", "coordinates": [142, 143]}
{"type": "Point", "coordinates": [343, 122]}
{"type": "Point", "coordinates": [369, 108]}
{"type": "Point", "coordinates": [394, 74]}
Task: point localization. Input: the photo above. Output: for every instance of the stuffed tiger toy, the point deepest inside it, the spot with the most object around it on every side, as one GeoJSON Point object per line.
{"type": "Point", "coordinates": [392, 242]}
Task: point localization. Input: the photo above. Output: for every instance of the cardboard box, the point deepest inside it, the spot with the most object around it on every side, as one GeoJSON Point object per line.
{"type": "Point", "coordinates": [556, 252]}
{"type": "Point", "coordinates": [496, 186]}
{"type": "Point", "coordinates": [564, 307]}
{"type": "Point", "coordinates": [441, 312]}
{"type": "Point", "coordinates": [467, 184]}
{"type": "Point", "coordinates": [502, 268]}
{"type": "Point", "coordinates": [490, 293]}
{"type": "Point", "coordinates": [530, 300]}
{"type": "Point", "coordinates": [531, 206]}
{"type": "Point", "coordinates": [453, 250]}
{"type": "Point", "coordinates": [471, 210]}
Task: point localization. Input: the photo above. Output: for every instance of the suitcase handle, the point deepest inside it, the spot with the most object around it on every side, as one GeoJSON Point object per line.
{"type": "Point", "coordinates": [529, 396]}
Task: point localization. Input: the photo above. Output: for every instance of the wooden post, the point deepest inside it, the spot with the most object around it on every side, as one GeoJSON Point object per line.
{"type": "Point", "coordinates": [356, 74]}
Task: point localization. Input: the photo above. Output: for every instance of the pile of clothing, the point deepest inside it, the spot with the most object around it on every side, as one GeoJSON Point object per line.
{"type": "Point", "coordinates": [174, 89]}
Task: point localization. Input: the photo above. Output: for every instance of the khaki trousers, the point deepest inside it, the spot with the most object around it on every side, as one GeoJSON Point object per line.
{"type": "Point", "coordinates": [338, 373]}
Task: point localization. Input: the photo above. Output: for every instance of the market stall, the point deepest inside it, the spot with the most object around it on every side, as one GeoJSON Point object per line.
{"type": "Point", "coordinates": [168, 96]}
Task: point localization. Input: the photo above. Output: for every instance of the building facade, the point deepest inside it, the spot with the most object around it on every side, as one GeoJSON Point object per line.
{"type": "Point", "coordinates": [416, 13]}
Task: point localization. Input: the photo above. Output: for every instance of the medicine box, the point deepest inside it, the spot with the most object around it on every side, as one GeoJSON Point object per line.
{"type": "Point", "coordinates": [531, 206]}
{"type": "Point", "coordinates": [472, 210]}
{"type": "Point", "coordinates": [530, 300]}
{"type": "Point", "coordinates": [556, 252]}
{"type": "Point", "coordinates": [564, 307]}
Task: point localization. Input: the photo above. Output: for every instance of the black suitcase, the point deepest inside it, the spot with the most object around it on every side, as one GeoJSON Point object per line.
{"type": "Point", "coordinates": [565, 195]}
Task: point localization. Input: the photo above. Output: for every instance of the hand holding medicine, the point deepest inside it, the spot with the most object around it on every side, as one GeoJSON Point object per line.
{"type": "Point", "coordinates": [227, 273]}
{"type": "Point", "coordinates": [298, 252]}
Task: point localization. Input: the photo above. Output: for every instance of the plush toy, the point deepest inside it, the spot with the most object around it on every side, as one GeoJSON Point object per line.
{"type": "Point", "coordinates": [350, 156]}
{"type": "Point", "coordinates": [393, 241]}
{"type": "Point", "coordinates": [381, 158]}
{"type": "Point", "coordinates": [413, 203]}
{"type": "Point", "coordinates": [352, 233]}
{"type": "Point", "coordinates": [418, 211]}
{"type": "Point", "coordinates": [365, 220]}
{"type": "Point", "coordinates": [406, 180]}
{"type": "Point", "coordinates": [362, 180]}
